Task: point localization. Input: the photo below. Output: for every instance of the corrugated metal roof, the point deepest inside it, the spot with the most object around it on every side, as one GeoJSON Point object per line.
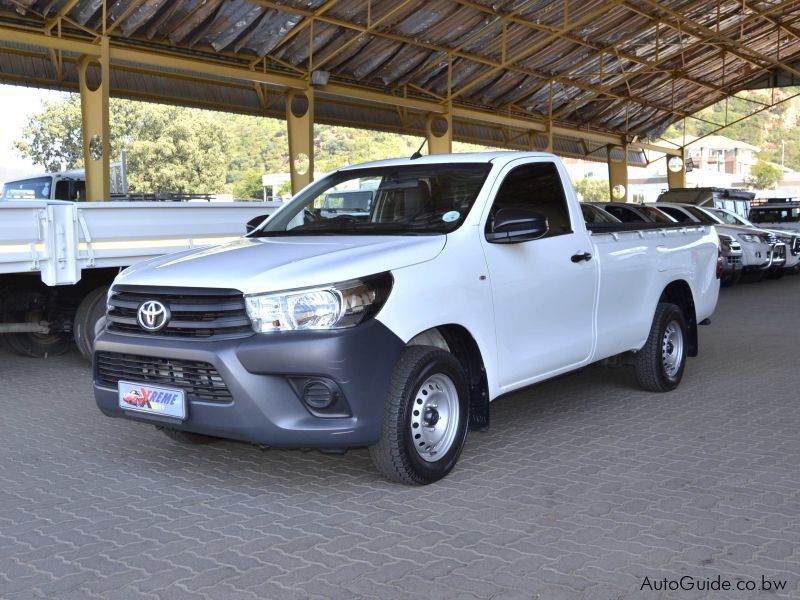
{"type": "Point", "coordinates": [625, 66]}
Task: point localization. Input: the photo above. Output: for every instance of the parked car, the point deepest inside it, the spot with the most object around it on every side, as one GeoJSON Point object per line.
{"type": "Point", "coordinates": [777, 215]}
{"type": "Point", "coordinates": [474, 275]}
{"type": "Point", "coordinates": [634, 213]}
{"type": "Point", "coordinates": [730, 249]}
{"type": "Point", "coordinates": [348, 203]}
{"type": "Point", "coordinates": [761, 251]}
{"type": "Point", "coordinates": [597, 216]}
{"type": "Point", "coordinates": [734, 200]}
{"type": "Point", "coordinates": [791, 239]}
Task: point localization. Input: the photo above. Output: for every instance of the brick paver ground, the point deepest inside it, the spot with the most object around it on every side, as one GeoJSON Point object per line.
{"type": "Point", "coordinates": [583, 487]}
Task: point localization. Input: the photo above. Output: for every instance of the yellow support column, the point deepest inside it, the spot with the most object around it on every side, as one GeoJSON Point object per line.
{"type": "Point", "coordinates": [676, 171]}
{"type": "Point", "coordinates": [618, 173]}
{"type": "Point", "coordinates": [300, 123]}
{"type": "Point", "coordinates": [439, 130]}
{"type": "Point", "coordinates": [93, 75]}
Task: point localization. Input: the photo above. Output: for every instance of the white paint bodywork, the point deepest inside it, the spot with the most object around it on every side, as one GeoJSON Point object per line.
{"type": "Point", "coordinates": [532, 311]}
{"type": "Point", "coordinates": [60, 239]}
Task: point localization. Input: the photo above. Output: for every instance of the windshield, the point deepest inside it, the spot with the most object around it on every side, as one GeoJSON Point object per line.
{"type": "Point", "coordinates": [28, 189]}
{"type": "Point", "coordinates": [657, 215]}
{"type": "Point", "coordinates": [400, 200]}
{"type": "Point", "coordinates": [775, 215]}
{"type": "Point", "coordinates": [729, 218]}
{"type": "Point", "coordinates": [701, 216]}
{"type": "Point", "coordinates": [596, 216]}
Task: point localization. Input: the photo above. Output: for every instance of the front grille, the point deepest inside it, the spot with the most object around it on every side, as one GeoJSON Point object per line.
{"type": "Point", "coordinates": [209, 314]}
{"type": "Point", "coordinates": [796, 245]}
{"type": "Point", "coordinates": [771, 238]}
{"type": "Point", "coordinates": [200, 380]}
{"type": "Point", "coordinates": [734, 261]}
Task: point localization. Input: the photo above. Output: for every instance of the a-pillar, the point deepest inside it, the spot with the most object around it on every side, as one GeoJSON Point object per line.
{"type": "Point", "coordinates": [94, 80]}
{"type": "Point", "coordinates": [300, 124]}
{"type": "Point", "coordinates": [618, 173]}
{"type": "Point", "coordinates": [439, 130]}
{"type": "Point", "coordinates": [676, 171]}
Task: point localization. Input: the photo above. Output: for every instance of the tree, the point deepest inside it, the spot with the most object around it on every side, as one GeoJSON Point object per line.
{"type": "Point", "coordinates": [249, 187]}
{"type": "Point", "coordinates": [178, 150]}
{"type": "Point", "coordinates": [593, 190]}
{"type": "Point", "coordinates": [764, 176]}
{"type": "Point", "coordinates": [169, 149]}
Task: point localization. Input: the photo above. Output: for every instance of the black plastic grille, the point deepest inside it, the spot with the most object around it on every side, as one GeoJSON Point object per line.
{"type": "Point", "coordinates": [193, 313]}
{"type": "Point", "coordinates": [200, 380]}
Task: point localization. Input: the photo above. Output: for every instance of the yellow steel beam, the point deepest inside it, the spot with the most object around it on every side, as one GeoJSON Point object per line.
{"type": "Point", "coordinates": [300, 126]}
{"type": "Point", "coordinates": [618, 174]}
{"type": "Point", "coordinates": [439, 142]}
{"type": "Point", "coordinates": [368, 31]}
{"type": "Point", "coordinates": [676, 170]}
{"type": "Point", "coordinates": [708, 35]}
{"type": "Point", "coordinates": [94, 124]}
{"type": "Point", "coordinates": [218, 69]}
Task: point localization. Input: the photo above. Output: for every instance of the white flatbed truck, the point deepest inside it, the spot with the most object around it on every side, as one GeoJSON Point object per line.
{"type": "Point", "coordinates": [58, 258]}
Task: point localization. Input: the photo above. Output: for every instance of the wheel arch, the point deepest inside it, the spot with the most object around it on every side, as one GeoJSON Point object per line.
{"type": "Point", "coordinates": [460, 342]}
{"type": "Point", "coordinates": [679, 292]}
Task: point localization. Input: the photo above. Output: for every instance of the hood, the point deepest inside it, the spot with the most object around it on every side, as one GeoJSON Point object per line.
{"type": "Point", "coordinates": [736, 230]}
{"type": "Point", "coordinates": [268, 264]}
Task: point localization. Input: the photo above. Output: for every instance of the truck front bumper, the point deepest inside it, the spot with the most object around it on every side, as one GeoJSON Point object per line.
{"type": "Point", "coordinates": [264, 376]}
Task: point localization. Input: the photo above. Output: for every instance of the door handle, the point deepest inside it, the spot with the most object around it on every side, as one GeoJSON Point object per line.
{"type": "Point", "coordinates": [576, 258]}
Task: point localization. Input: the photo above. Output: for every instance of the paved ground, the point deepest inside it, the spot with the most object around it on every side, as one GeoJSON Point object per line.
{"type": "Point", "coordinates": [583, 487]}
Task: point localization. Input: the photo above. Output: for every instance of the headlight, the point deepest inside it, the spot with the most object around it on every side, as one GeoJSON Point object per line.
{"type": "Point", "coordinates": [333, 306]}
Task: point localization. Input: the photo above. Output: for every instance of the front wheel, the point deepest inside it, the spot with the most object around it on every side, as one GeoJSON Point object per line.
{"type": "Point", "coordinates": [660, 363]}
{"type": "Point", "coordinates": [425, 419]}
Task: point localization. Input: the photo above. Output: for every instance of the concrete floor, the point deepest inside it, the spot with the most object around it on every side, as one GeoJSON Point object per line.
{"type": "Point", "coordinates": [583, 487]}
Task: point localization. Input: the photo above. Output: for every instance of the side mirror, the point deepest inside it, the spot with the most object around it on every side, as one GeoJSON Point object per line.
{"type": "Point", "coordinates": [254, 223]}
{"type": "Point", "coordinates": [515, 225]}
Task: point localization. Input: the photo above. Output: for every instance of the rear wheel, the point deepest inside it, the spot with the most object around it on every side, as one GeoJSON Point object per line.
{"type": "Point", "coordinates": [425, 418]}
{"type": "Point", "coordinates": [731, 279]}
{"type": "Point", "coordinates": [90, 311]}
{"type": "Point", "coordinates": [753, 276]}
{"type": "Point", "coordinates": [38, 345]}
{"type": "Point", "coordinates": [776, 273]}
{"type": "Point", "coordinates": [660, 363]}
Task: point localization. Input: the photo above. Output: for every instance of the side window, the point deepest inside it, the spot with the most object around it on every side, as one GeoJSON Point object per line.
{"type": "Point", "coordinates": [678, 215]}
{"type": "Point", "coordinates": [536, 186]}
{"type": "Point", "coordinates": [623, 214]}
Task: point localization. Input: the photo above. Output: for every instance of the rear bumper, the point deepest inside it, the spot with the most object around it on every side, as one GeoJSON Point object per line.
{"type": "Point", "coordinates": [261, 372]}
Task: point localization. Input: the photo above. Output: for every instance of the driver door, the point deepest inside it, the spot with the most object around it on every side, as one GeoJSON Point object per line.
{"type": "Point", "coordinates": [544, 299]}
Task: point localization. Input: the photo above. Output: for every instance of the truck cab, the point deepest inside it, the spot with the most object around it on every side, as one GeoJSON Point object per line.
{"type": "Point", "coordinates": [64, 185]}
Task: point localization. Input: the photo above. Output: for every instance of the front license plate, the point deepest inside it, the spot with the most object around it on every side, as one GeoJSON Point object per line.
{"type": "Point", "coordinates": [165, 402]}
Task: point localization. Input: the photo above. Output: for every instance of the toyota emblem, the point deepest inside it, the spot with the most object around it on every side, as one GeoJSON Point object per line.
{"type": "Point", "coordinates": [152, 315]}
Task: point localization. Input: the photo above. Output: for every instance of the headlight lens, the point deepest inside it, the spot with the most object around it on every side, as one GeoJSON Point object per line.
{"type": "Point", "coordinates": [335, 306]}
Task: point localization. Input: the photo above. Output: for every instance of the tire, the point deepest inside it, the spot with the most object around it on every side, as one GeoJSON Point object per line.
{"type": "Point", "coordinates": [731, 279]}
{"type": "Point", "coordinates": [90, 310]}
{"type": "Point", "coordinates": [754, 276]}
{"type": "Point", "coordinates": [187, 437]}
{"type": "Point", "coordinates": [38, 345]}
{"type": "Point", "coordinates": [660, 363]}
{"type": "Point", "coordinates": [407, 451]}
{"type": "Point", "coordinates": [776, 274]}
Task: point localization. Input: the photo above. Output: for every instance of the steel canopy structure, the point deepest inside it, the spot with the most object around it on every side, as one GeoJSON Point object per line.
{"type": "Point", "coordinates": [585, 78]}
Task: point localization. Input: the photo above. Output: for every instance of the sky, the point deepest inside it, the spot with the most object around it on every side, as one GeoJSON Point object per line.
{"type": "Point", "coordinates": [16, 104]}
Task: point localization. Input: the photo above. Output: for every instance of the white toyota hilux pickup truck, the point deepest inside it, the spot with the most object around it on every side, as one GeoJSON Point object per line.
{"type": "Point", "coordinates": [470, 276]}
